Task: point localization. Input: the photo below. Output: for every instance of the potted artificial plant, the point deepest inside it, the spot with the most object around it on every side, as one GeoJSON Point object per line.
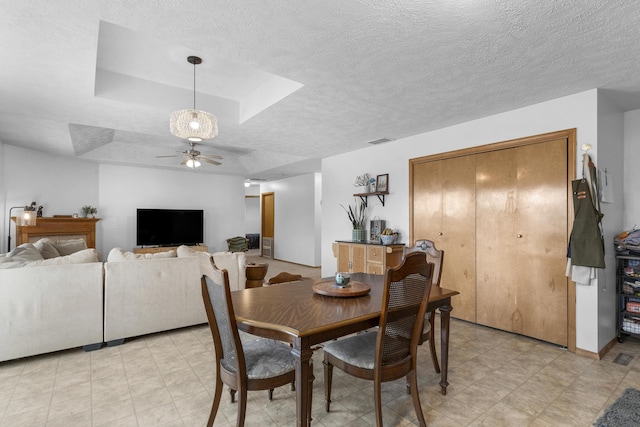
{"type": "Point", "coordinates": [356, 215]}
{"type": "Point", "coordinates": [89, 211]}
{"type": "Point", "coordinates": [361, 183]}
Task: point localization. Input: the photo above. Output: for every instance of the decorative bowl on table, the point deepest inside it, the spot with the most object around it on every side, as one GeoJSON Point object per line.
{"type": "Point", "coordinates": [387, 239]}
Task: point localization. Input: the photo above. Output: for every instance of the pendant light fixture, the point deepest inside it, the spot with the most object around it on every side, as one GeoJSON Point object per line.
{"type": "Point", "coordinates": [191, 124]}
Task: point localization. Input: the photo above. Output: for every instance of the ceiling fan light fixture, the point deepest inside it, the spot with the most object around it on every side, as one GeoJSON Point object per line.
{"type": "Point", "coordinates": [192, 124]}
{"type": "Point", "coordinates": [193, 163]}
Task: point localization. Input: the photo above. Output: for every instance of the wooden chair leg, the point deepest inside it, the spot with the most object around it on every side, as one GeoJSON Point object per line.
{"type": "Point", "coordinates": [217, 395]}
{"type": "Point", "coordinates": [270, 394]}
{"type": "Point", "coordinates": [328, 376]}
{"type": "Point", "coordinates": [377, 400]}
{"type": "Point", "coordinates": [432, 342]}
{"type": "Point", "coordinates": [413, 381]}
{"type": "Point", "coordinates": [232, 392]}
{"type": "Point", "coordinates": [242, 407]}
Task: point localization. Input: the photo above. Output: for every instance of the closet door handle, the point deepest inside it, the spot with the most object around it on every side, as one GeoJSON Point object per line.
{"type": "Point", "coordinates": [519, 236]}
{"type": "Point", "coordinates": [440, 233]}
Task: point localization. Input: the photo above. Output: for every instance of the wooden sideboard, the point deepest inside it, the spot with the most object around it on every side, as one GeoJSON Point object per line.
{"type": "Point", "coordinates": [367, 257]}
{"type": "Point", "coordinates": [156, 249]}
{"type": "Point", "coordinates": [67, 228]}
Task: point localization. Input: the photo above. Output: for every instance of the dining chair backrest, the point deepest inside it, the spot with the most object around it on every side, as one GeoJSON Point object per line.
{"type": "Point", "coordinates": [405, 298]}
{"type": "Point", "coordinates": [434, 256]}
{"type": "Point", "coordinates": [222, 321]}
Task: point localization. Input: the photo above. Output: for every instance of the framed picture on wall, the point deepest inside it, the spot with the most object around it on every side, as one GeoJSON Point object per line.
{"type": "Point", "coordinates": [382, 183]}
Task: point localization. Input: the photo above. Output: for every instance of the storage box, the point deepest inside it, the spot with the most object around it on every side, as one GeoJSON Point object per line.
{"type": "Point", "coordinates": [630, 325]}
{"type": "Point", "coordinates": [633, 307]}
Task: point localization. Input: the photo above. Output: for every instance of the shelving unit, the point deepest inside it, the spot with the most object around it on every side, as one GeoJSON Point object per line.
{"type": "Point", "coordinates": [628, 308]}
{"type": "Point", "coordinates": [365, 196]}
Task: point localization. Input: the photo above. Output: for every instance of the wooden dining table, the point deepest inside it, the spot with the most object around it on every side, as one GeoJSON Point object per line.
{"type": "Point", "coordinates": [294, 313]}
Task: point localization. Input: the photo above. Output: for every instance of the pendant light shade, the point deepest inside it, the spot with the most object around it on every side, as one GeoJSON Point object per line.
{"type": "Point", "coordinates": [191, 124]}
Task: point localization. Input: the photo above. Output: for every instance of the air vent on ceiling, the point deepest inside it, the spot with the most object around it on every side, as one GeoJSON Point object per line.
{"type": "Point", "coordinates": [380, 141]}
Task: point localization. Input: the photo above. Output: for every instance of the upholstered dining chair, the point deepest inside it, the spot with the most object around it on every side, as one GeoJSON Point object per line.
{"type": "Point", "coordinates": [260, 364]}
{"type": "Point", "coordinates": [390, 353]}
{"type": "Point", "coordinates": [435, 257]}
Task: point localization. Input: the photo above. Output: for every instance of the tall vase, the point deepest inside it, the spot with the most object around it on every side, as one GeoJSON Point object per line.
{"type": "Point", "coordinates": [357, 234]}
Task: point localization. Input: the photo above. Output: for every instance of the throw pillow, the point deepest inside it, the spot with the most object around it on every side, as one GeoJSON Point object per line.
{"type": "Point", "coordinates": [46, 248]}
{"type": "Point", "coordinates": [25, 252]}
{"type": "Point", "coordinates": [81, 257]}
{"type": "Point", "coordinates": [67, 247]}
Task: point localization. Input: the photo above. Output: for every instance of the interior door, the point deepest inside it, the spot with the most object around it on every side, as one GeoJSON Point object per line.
{"type": "Point", "coordinates": [267, 202]}
{"type": "Point", "coordinates": [459, 234]}
{"type": "Point", "coordinates": [521, 204]}
{"type": "Point", "coordinates": [498, 276]}
{"type": "Point", "coordinates": [542, 240]}
{"type": "Point", "coordinates": [443, 211]}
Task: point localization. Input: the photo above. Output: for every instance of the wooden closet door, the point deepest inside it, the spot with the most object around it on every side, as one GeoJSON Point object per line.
{"type": "Point", "coordinates": [458, 238]}
{"type": "Point", "coordinates": [427, 202]}
{"type": "Point", "coordinates": [443, 210]}
{"type": "Point", "coordinates": [497, 273]}
{"type": "Point", "coordinates": [521, 240]}
{"type": "Point", "coordinates": [542, 245]}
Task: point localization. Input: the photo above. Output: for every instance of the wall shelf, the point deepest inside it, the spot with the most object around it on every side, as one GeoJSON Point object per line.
{"type": "Point", "coordinates": [365, 196]}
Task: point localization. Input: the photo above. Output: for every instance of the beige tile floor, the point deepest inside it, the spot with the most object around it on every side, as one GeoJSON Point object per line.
{"type": "Point", "coordinates": [166, 379]}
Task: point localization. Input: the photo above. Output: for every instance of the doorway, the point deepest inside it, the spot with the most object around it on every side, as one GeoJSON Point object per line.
{"type": "Point", "coordinates": [267, 219]}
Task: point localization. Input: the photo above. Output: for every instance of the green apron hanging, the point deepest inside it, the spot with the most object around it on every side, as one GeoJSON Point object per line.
{"type": "Point", "coordinates": [587, 243]}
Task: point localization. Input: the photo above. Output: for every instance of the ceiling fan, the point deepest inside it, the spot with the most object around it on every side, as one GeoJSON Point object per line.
{"type": "Point", "coordinates": [193, 157]}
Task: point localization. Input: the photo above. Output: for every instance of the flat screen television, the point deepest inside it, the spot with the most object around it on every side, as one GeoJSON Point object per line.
{"type": "Point", "coordinates": [169, 227]}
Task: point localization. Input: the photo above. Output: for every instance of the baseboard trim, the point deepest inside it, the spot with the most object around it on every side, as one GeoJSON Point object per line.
{"type": "Point", "coordinates": [599, 355]}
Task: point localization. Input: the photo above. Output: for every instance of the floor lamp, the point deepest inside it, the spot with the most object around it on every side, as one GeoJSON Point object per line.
{"type": "Point", "coordinates": [28, 218]}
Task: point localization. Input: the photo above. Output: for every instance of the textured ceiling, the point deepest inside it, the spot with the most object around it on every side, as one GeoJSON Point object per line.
{"type": "Point", "coordinates": [292, 82]}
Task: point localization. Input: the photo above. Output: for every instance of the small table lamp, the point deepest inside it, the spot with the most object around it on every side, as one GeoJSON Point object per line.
{"type": "Point", "coordinates": [27, 219]}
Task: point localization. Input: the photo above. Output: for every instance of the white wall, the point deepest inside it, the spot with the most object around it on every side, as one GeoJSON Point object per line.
{"type": "Point", "coordinates": [4, 209]}
{"type": "Point", "coordinates": [123, 189]}
{"type": "Point", "coordinates": [252, 215]}
{"type": "Point", "coordinates": [631, 217]}
{"type": "Point", "coordinates": [60, 184]}
{"type": "Point", "coordinates": [252, 218]}
{"type": "Point", "coordinates": [295, 218]}
{"type": "Point", "coordinates": [575, 111]}
{"type": "Point", "coordinates": [610, 158]}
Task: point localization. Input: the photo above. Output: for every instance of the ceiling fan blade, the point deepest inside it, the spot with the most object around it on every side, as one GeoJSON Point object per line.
{"type": "Point", "coordinates": [184, 162]}
{"type": "Point", "coordinates": [213, 162]}
{"type": "Point", "coordinates": [159, 157]}
{"type": "Point", "coordinates": [212, 156]}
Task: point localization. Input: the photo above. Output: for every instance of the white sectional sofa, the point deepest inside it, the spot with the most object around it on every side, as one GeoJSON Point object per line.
{"type": "Point", "coordinates": [146, 294]}
{"type": "Point", "coordinates": [48, 305]}
{"type": "Point", "coordinates": [76, 300]}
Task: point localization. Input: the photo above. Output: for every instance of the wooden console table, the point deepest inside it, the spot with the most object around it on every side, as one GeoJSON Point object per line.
{"type": "Point", "coordinates": [156, 249]}
{"type": "Point", "coordinates": [66, 227]}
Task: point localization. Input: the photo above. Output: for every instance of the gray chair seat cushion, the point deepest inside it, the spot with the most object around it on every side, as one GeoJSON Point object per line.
{"type": "Point", "coordinates": [264, 359]}
{"type": "Point", "coordinates": [358, 350]}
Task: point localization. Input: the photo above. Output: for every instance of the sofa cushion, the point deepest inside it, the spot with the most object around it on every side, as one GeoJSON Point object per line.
{"type": "Point", "coordinates": [117, 254]}
{"type": "Point", "coordinates": [185, 251]}
{"type": "Point", "coordinates": [81, 257]}
{"type": "Point", "coordinates": [24, 252]}
{"type": "Point", "coordinates": [46, 248]}
{"type": "Point", "coordinates": [67, 247]}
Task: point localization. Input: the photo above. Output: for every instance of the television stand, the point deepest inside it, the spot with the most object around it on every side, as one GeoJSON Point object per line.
{"type": "Point", "coordinates": [156, 249]}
